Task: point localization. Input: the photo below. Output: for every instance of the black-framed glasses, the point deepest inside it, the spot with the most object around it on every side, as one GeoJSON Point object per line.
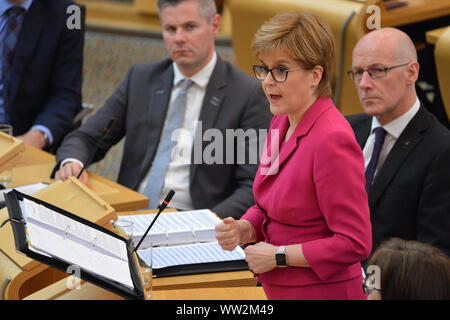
{"type": "Point", "coordinates": [374, 72]}
{"type": "Point", "coordinates": [279, 74]}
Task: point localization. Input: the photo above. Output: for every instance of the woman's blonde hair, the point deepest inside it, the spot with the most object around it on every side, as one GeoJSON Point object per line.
{"type": "Point", "coordinates": [306, 37]}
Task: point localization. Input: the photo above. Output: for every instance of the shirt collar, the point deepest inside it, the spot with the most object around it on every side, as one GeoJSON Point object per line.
{"type": "Point", "coordinates": [396, 127]}
{"type": "Point", "coordinates": [5, 5]}
{"type": "Point", "coordinates": [201, 78]}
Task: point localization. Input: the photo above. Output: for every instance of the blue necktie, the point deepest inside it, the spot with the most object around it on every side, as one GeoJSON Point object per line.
{"type": "Point", "coordinates": [13, 27]}
{"type": "Point", "coordinates": [380, 134]}
{"type": "Point", "coordinates": [155, 181]}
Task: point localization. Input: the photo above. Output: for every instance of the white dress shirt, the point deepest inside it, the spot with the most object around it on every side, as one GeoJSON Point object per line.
{"type": "Point", "coordinates": [393, 130]}
{"type": "Point", "coordinates": [177, 174]}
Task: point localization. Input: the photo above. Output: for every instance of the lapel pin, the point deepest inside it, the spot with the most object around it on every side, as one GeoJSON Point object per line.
{"type": "Point", "coordinates": [215, 101]}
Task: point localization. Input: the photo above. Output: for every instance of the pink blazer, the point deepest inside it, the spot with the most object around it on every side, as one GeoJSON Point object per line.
{"type": "Point", "coordinates": [313, 194]}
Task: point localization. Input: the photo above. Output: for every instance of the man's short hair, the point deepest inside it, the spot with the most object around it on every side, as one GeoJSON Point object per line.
{"type": "Point", "coordinates": [206, 8]}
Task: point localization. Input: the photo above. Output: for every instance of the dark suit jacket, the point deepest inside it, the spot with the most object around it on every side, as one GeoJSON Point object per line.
{"type": "Point", "coordinates": [47, 70]}
{"type": "Point", "coordinates": [138, 106]}
{"type": "Point", "coordinates": [410, 196]}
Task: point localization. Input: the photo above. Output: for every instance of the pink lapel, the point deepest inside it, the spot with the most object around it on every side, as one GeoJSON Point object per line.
{"type": "Point", "coordinates": [272, 159]}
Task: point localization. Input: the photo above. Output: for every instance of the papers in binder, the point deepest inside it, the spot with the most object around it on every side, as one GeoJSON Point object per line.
{"type": "Point", "coordinates": [184, 242]}
{"type": "Point", "coordinates": [190, 254]}
{"type": "Point", "coordinates": [174, 228]}
{"type": "Point", "coordinates": [61, 237]}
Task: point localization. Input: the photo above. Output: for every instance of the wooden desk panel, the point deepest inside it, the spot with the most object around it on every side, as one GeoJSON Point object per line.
{"type": "Point", "coordinates": [10, 151]}
{"type": "Point", "coordinates": [36, 166]}
{"type": "Point", "coordinates": [88, 291]}
{"type": "Point", "coordinates": [415, 11]}
{"type": "Point", "coordinates": [433, 36]}
{"type": "Point", "coordinates": [206, 280]}
{"type": "Point", "coordinates": [236, 293]}
{"type": "Point", "coordinates": [119, 197]}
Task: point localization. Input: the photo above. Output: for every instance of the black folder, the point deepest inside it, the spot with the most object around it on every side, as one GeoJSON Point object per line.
{"type": "Point", "coordinates": [199, 268]}
{"type": "Point", "coordinates": [21, 242]}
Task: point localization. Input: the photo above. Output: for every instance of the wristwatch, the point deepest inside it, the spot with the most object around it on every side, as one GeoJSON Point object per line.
{"type": "Point", "coordinates": [46, 138]}
{"type": "Point", "coordinates": [280, 257]}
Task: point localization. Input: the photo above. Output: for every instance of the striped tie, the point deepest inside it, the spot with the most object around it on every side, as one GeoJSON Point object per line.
{"type": "Point", "coordinates": [155, 181]}
{"type": "Point", "coordinates": [13, 27]}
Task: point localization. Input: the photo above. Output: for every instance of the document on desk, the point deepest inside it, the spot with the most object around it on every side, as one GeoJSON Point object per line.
{"type": "Point", "coordinates": [59, 236]}
{"type": "Point", "coordinates": [174, 228]}
{"type": "Point", "coordinates": [184, 242]}
{"type": "Point", "coordinates": [190, 254]}
{"type": "Point", "coordinates": [26, 189]}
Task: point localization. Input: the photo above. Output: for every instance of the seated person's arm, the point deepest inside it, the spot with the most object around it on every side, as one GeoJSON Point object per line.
{"type": "Point", "coordinates": [64, 91]}
{"type": "Point", "coordinates": [34, 138]}
{"type": "Point", "coordinates": [71, 167]}
{"type": "Point", "coordinates": [79, 144]}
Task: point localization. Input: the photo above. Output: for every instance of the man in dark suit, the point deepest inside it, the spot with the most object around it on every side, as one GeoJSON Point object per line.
{"type": "Point", "coordinates": [204, 168]}
{"type": "Point", "coordinates": [41, 62]}
{"type": "Point", "coordinates": [408, 160]}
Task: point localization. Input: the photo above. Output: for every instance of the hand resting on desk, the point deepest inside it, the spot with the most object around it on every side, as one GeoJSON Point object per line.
{"type": "Point", "coordinates": [34, 138]}
{"type": "Point", "coordinates": [71, 169]}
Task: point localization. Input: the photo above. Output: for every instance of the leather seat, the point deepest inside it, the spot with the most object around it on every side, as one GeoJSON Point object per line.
{"type": "Point", "coordinates": [345, 17]}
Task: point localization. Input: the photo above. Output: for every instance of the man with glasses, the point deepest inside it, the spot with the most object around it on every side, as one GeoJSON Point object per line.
{"type": "Point", "coordinates": [406, 149]}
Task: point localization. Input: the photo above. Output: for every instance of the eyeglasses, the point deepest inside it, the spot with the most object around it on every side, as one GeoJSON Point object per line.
{"type": "Point", "coordinates": [279, 74]}
{"type": "Point", "coordinates": [374, 72]}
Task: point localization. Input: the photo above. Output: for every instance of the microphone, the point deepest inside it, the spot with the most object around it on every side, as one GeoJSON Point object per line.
{"type": "Point", "coordinates": [162, 206]}
{"type": "Point", "coordinates": [105, 133]}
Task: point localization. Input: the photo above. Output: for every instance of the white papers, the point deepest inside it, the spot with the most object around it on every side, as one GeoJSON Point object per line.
{"type": "Point", "coordinates": [190, 254]}
{"type": "Point", "coordinates": [28, 189]}
{"type": "Point", "coordinates": [175, 227]}
{"type": "Point", "coordinates": [76, 243]}
{"type": "Point", "coordinates": [181, 238]}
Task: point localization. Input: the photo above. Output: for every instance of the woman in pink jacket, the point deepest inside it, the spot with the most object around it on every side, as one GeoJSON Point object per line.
{"type": "Point", "coordinates": [310, 226]}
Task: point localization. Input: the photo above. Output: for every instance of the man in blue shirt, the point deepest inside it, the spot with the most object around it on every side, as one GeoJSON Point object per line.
{"type": "Point", "coordinates": [40, 70]}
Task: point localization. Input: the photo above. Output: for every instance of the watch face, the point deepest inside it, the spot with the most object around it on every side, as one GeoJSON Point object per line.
{"type": "Point", "coordinates": [280, 258]}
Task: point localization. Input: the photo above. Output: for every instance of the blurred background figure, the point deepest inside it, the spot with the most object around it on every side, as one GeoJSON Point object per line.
{"type": "Point", "coordinates": [41, 62]}
{"type": "Point", "coordinates": [410, 270]}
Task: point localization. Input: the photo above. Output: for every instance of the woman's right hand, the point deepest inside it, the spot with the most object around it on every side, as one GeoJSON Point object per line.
{"type": "Point", "coordinates": [228, 234]}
